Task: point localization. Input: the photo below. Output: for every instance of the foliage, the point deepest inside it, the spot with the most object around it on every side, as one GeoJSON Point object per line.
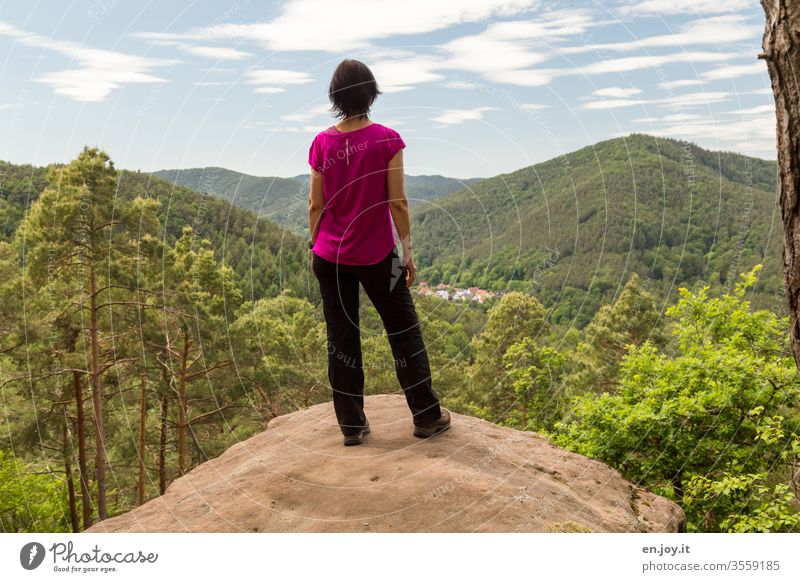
{"type": "Point", "coordinates": [31, 498]}
{"type": "Point", "coordinates": [488, 393]}
{"type": "Point", "coordinates": [631, 320]}
{"type": "Point", "coordinates": [572, 228]}
{"type": "Point", "coordinates": [701, 412]}
{"type": "Point", "coordinates": [534, 372]}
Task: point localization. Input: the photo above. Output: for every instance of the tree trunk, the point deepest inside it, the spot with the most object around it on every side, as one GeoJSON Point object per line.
{"type": "Point", "coordinates": [142, 439]}
{"type": "Point", "coordinates": [73, 507]}
{"type": "Point", "coordinates": [86, 495]}
{"type": "Point", "coordinates": [97, 399]}
{"type": "Point", "coordinates": [781, 43]}
{"type": "Point", "coordinates": [677, 485]}
{"type": "Point", "coordinates": [162, 447]}
{"type": "Point", "coordinates": [182, 405]}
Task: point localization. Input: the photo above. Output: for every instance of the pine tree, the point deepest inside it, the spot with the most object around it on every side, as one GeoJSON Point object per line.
{"type": "Point", "coordinates": [631, 320]}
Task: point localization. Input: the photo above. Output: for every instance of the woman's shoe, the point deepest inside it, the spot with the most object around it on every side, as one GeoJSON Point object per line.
{"type": "Point", "coordinates": [428, 430]}
{"type": "Point", "coordinates": [355, 439]}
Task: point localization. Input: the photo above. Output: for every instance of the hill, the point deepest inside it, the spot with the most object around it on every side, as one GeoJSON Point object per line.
{"type": "Point", "coordinates": [297, 477]}
{"type": "Point", "coordinates": [284, 200]}
{"type": "Point", "coordinates": [265, 257]}
{"type": "Point", "coordinates": [572, 229]}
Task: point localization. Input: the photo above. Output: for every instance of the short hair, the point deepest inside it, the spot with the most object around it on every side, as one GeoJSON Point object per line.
{"type": "Point", "coordinates": [353, 89]}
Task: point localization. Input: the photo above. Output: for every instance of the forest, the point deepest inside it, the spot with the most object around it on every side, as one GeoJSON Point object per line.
{"type": "Point", "coordinates": [147, 328]}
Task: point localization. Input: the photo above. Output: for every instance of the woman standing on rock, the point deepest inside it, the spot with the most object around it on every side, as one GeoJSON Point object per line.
{"type": "Point", "coordinates": [357, 192]}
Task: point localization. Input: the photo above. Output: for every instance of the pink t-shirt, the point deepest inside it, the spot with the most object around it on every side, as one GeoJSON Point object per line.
{"type": "Point", "coordinates": [356, 225]}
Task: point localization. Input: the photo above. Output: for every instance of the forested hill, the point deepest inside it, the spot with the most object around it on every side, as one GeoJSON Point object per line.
{"type": "Point", "coordinates": [265, 257]}
{"type": "Point", "coordinates": [573, 228]}
{"type": "Point", "coordinates": [284, 200]}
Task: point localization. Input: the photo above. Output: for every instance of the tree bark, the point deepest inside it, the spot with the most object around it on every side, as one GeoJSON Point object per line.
{"type": "Point", "coordinates": [73, 507]}
{"type": "Point", "coordinates": [182, 405]}
{"type": "Point", "coordinates": [780, 44]}
{"type": "Point", "coordinates": [162, 447]}
{"type": "Point", "coordinates": [97, 398]}
{"type": "Point", "coordinates": [142, 439]}
{"type": "Point", "coordinates": [86, 495]}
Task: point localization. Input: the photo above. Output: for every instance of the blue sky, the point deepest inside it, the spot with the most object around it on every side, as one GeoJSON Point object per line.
{"type": "Point", "coordinates": [475, 87]}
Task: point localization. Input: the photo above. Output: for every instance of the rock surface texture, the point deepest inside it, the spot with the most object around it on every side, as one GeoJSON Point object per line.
{"type": "Point", "coordinates": [476, 477]}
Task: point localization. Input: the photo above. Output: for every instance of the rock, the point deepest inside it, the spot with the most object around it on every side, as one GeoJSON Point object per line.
{"type": "Point", "coordinates": [297, 477]}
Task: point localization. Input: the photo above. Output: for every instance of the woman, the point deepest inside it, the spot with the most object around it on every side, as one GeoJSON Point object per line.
{"type": "Point", "coordinates": [356, 193]}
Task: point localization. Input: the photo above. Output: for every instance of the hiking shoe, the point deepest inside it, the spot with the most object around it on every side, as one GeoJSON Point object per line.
{"type": "Point", "coordinates": [428, 430]}
{"type": "Point", "coordinates": [355, 439]}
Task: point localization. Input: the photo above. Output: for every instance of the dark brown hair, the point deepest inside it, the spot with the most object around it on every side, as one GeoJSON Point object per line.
{"type": "Point", "coordinates": [353, 89]}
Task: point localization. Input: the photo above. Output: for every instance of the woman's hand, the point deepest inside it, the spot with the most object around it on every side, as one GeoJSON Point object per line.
{"type": "Point", "coordinates": [411, 270]}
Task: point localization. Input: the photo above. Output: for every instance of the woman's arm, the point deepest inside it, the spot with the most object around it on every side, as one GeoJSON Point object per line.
{"type": "Point", "coordinates": [398, 205]}
{"type": "Point", "coordinates": [316, 204]}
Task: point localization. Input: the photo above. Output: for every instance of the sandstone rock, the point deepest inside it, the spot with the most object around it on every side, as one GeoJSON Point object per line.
{"type": "Point", "coordinates": [477, 477]}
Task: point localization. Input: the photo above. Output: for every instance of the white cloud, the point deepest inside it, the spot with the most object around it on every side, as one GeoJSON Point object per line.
{"type": "Point", "coordinates": [757, 110]}
{"type": "Point", "coordinates": [679, 102]}
{"type": "Point", "coordinates": [505, 52]}
{"type": "Point", "coordinates": [533, 106]}
{"type": "Point", "coordinates": [457, 116]}
{"type": "Point", "coordinates": [679, 83]}
{"type": "Point", "coordinates": [701, 98]}
{"type": "Point", "coordinates": [613, 103]}
{"type": "Point", "coordinates": [308, 114]}
{"type": "Point", "coordinates": [750, 133]}
{"type": "Point", "coordinates": [277, 77]}
{"type": "Point", "coordinates": [716, 30]}
{"type": "Point", "coordinates": [99, 72]}
{"type": "Point", "coordinates": [617, 92]}
{"type": "Point", "coordinates": [221, 53]}
{"type": "Point", "coordinates": [674, 118]}
{"type": "Point", "coordinates": [625, 64]}
{"type": "Point", "coordinates": [525, 77]}
{"type": "Point", "coordinates": [680, 117]}
{"type": "Point", "coordinates": [732, 71]}
{"type": "Point", "coordinates": [346, 25]}
{"type": "Point", "coordinates": [459, 84]}
{"type": "Point", "coordinates": [402, 73]}
{"type": "Point", "coordinates": [268, 78]}
{"type": "Point", "coordinates": [217, 52]}
{"type": "Point", "coordinates": [663, 7]}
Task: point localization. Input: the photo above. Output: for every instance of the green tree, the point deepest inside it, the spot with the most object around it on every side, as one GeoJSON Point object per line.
{"type": "Point", "coordinates": [199, 290]}
{"type": "Point", "coordinates": [631, 320]}
{"type": "Point", "coordinates": [32, 499]}
{"type": "Point", "coordinates": [89, 246]}
{"type": "Point", "coordinates": [534, 375]}
{"type": "Point", "coordinates": [701, 412]}
{"type": "Point", "coordinates": [281, 353]}
{"type": "Point", "coordinates": [515, 317]}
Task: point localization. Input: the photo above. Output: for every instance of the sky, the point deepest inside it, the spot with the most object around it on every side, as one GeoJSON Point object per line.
{"type": "Point", "coordinates": [476, 88]}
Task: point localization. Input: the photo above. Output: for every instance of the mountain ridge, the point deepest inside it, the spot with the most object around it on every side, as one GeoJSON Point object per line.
{"type": "Point", "coordinates": [572, 228]}
{"type": "Point", "coordinates": [284, 200]}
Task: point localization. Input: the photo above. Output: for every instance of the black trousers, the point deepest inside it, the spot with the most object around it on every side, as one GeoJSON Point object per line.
{"type": "Point", "coordinates": [385, 285]}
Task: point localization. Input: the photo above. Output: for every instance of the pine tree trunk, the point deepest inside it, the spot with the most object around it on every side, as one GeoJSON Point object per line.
{"type": "Point", "coordinates": [73, 507]}
{"type": "Point", "coordinates": [781, 43]}
{"type": "Point", "coordinates": [182, 406]}
{"type": "Point", "coordinates": [162, 447]}
{"type": "Point", "coordinates": [142, 439]}
{"type": "Point", "coordinates": [86, 495]}
{"type": "Point", "coordinates": [97, 399]}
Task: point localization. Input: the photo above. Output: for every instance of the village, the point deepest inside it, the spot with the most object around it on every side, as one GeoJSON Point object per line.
{"type": "Point", "coordinates": [451, 293]}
